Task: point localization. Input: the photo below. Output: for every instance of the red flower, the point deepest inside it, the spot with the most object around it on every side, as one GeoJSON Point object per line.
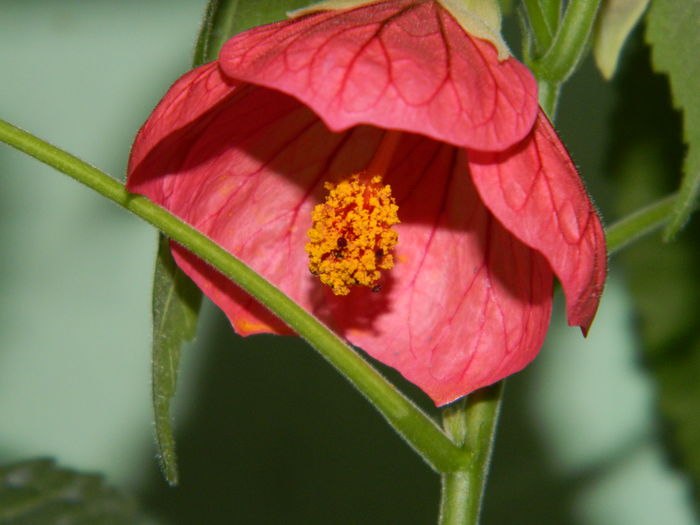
{"type": "Point", "coordinates": [489, 203]}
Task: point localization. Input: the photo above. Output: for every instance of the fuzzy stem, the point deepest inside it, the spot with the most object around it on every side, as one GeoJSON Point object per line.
{"type": "Point", "coordinates": [639, 224]}
{"type": "Point", "coordinates": [570, 43]}
{"type": "Point", "coordinates": [544, 20]}
{"type": "Point", "coordinates": [471, 423]}
{"type": "Point", "coordinates": [409, 421]}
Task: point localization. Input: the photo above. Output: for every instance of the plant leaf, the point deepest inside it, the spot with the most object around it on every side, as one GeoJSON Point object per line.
{"type": "Point", "coordinates": [615, 22]}
{"type": "Point", "coordinates": [176, 299]}
{"type": "Point", "coordinates": [37, 492]}
{"type": "Point", "coordinates": [176, 302]}
{"type": "Point", "coordinates": [663, 278]}
{"type": "Point", "coordinates": [674, 33]}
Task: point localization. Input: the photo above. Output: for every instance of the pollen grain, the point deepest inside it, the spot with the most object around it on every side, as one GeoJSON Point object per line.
{"type": "Point", "coordinates": [351, 239]}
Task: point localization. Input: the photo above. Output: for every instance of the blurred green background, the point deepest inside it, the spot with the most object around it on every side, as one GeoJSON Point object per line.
{"type": "Point", "coordinates": [267, 431]}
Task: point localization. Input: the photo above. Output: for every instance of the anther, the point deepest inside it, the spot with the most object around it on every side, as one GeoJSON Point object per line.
{"type": "Point", "coordinates": [352, 236]}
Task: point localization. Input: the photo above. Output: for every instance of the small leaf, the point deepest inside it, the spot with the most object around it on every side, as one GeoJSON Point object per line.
{"type": "Point", "coordinates": [176, 299]}
{"type": "Point", "coordinates": [674, 33]}
{"type": "Point", "coordinates": [38, 492]}
{"type": "Point", "coordinates": [176, 302]}
{"type": "Point", "coordinates": [616, 21]}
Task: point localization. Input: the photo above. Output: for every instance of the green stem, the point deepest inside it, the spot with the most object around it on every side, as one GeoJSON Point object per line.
{"type": "Point", "coordinates": [570, 42]}
{"type": "Point", "coordinates": [551, 10]}
{"type": "Point", "coordinates": [471, 423]}
{"type": "Point", "coordinates": [416, 427]}
{"type": "Point", "coordinates": [176, 299]}
{"type": "Point", "coordinates": [548, 95]}
{"type": "Point", "coordinates": [544, 20]}
{"type": "Point", "coordinates": [638, 224]}
{"type": "Point", "coordinates": [455, 505]}
{"type": "Point", "coordinates": [481, 412]}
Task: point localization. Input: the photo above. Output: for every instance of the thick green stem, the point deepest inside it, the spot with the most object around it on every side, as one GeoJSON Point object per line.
{"type": "Point", "coordinates": [471, 423]}
{"type": "Point", "coordinates": [416, 427]}
{"type": "Point", "coordinates": [456, 507]}
{"type": "Point", "coordinates": [570, 42]}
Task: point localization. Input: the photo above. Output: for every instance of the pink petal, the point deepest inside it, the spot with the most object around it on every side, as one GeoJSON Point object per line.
{"type": "Point", "coordinates": [397, 64]}
{"type": "Point", "coordinates": [188, 100]}
{"type": "Point", "coordinates": [222, 171]}
{"type": "Point", "coordinates": [467, 303]}
{"type": "Point", "coordinates": [536, 193]}
{"type": "Point", "coordinates": [255, 197]}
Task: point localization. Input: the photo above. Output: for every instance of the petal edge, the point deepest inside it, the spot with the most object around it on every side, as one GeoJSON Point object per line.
{"type": "Point", "coordinates": [536, 192]}
{"type": "Point", "coordinates": [432, 78]}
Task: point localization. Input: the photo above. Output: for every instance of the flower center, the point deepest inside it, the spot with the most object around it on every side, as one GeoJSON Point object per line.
{"type": "Point", "coordinates": [351, 238]}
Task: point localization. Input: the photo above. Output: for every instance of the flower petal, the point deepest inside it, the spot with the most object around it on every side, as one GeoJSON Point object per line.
{"type": "Point", "coordinates": [241, 172]}
{"type": "Point", "coordinates": [188, 100]}
{"type": "Point", "coordinates": [256, 198]}
{"type": "Point", "coordinates": [401, 64]}
{"type": "Point", "coordinates": [467, 303]}
{"type": "Point", "coordinates": [535, 191]}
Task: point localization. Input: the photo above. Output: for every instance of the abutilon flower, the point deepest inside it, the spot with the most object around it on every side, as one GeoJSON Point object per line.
{"type": "Point", "coordinates": [388, 167]}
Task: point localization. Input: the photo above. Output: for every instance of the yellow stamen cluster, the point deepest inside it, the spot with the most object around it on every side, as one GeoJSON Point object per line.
{"type": "Point", "coordinates": [351, 238]}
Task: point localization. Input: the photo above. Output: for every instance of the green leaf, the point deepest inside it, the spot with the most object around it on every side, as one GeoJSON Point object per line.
{"type": "Point", "coordinates": [674, 34]}
{"type": "Point", "coordinates": [39, 493]}
{"type": "Point", "coordinates": [616, 21]}
{"type": "Point", "coordinates": [176, 302]}
{"type": "Point", "coordinates": [663, 278]}
{"type": "Point", "coordinates": [176, 299]}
